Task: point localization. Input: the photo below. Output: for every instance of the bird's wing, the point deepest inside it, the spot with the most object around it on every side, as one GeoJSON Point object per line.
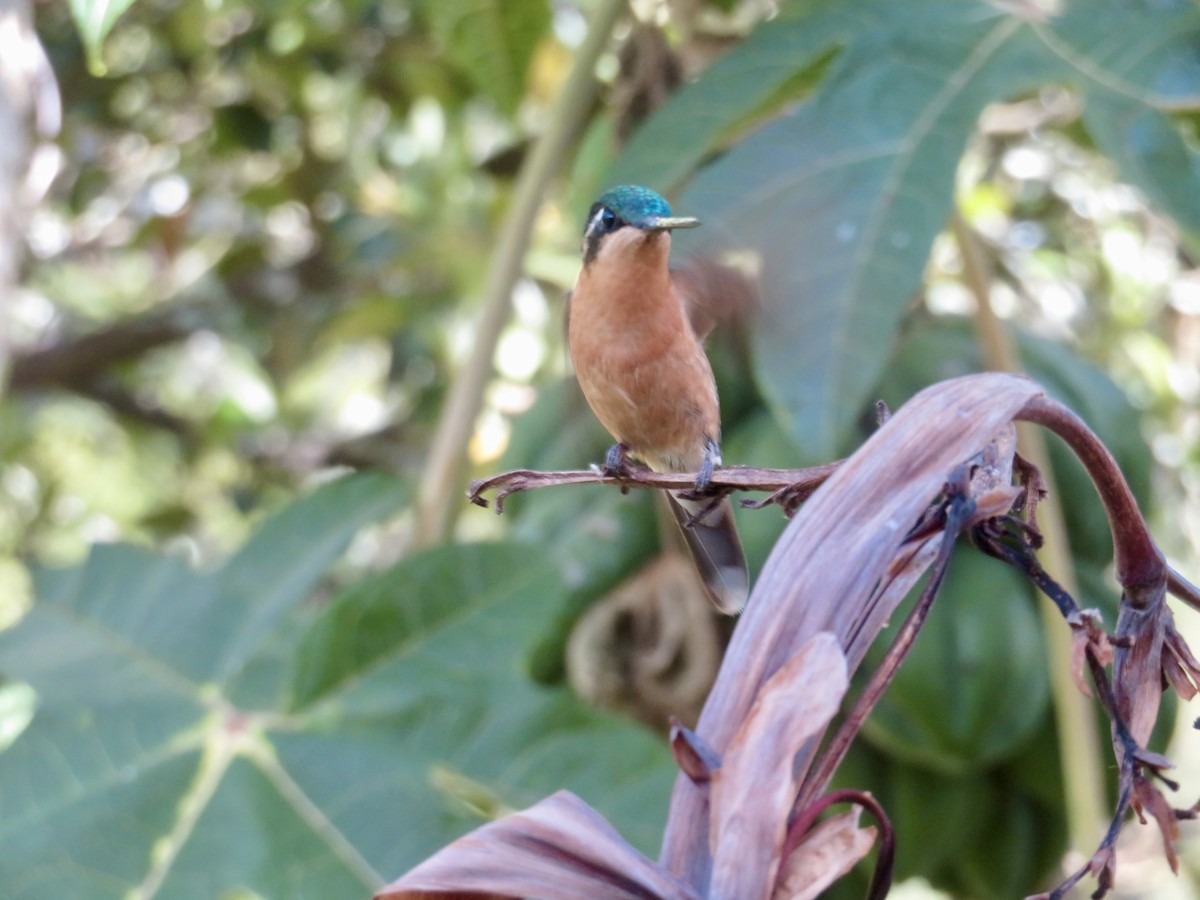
{"type": "Point", "coordinates": [713, 292]}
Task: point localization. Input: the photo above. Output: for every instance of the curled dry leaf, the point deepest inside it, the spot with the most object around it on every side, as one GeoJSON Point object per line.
{"type": "Point", "coordinates": [560, 849]}
{"type": "Point", "coordinates": [829, 852]}
{"type": "Point", "coordinates": [1138, 667]}
{"type": "Point", "coordinates": [823, 571]}
{"type": "Point", "coordinates": [1148, 800]}
{"type": "Point", "coordinates": [1180, 664]}
{"type": "Point", "coordinates": [752, 793]}
{"type": "Point", "coordinates": [1087, 633]}
{"type": "Point", "coordinates": [695, 759]}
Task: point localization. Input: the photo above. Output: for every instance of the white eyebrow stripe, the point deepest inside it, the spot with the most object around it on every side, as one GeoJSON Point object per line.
{"type": "Point", "coordinates": [593, 223]}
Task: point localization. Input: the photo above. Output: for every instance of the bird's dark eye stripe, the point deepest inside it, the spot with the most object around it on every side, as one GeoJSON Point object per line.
{"type": "Point", "coordinates": [603, 220]}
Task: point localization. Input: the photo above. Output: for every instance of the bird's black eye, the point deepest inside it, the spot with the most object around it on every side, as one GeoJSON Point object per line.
{"type": "Point", "coordinates": [601, 220]}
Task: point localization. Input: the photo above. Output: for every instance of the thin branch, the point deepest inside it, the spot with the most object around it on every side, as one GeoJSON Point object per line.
{"type": "Point", "coordinates": [125, 403]}
{"type": "Point", "coordinates": [789, 486]}
{"type": "Point", "coordinates": [70, 362]}
{"type": "Point", "coordinates": [1180, 587]}
{"type": "Point", "coordinates": [82, 364]}
{"type": "Point", "coordinates": [447, 455]}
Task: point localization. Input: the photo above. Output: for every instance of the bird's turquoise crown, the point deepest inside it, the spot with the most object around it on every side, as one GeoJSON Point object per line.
{"type": "Point", "coordinates": [628, 204]}
{"type": "Point", "coordinates": [634, 205]}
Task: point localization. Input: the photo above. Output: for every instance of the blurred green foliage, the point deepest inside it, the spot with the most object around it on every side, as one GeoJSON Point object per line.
{"type": "Point", "coordinates": [292, 746]}
{"type": "Point", "coordinates": [257, 269]}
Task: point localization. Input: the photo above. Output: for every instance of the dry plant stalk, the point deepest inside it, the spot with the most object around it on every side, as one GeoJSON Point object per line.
{"type": "Point", "coordinates": [789, 487]}
{"type": "Point", "coordinates": [742, 821]}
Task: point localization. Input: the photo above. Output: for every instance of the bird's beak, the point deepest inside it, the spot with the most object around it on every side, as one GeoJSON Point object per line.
{"type": "Point", "coordinates": [667, 223]}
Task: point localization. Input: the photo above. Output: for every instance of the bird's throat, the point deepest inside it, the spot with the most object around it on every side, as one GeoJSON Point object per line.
{"type": "Point", "coordinates": [625, 293]}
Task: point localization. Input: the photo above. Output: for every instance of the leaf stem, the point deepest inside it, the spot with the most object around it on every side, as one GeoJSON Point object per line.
{"type": "Point", "coordinates": [436, 505]}
{"type": "Point", "coordinates": [1141, 569]}
{"type": "Point", "coordinates": [219, 750]}
{"type": "Point", "coordinates": [263, 755]}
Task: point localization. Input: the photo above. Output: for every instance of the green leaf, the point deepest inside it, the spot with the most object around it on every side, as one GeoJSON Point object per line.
{"type": "Point", "coordinates": [974, 687]}
{"type": "Point", "coordinates": [281, 564]}
{"type": "Point", "coordinates": [936, 818]}
{"type": "Point", "coordinates": [1144, 49]}
{"type": "Point", "coordinates": [843, 194]}
{"type": "Point", "coordinates": [942, 821]}
{"type": "Point", "coordinates": [864, 185]}
{"type": "Point", "coordinates": [673, 143]}
{"type": "Point", "coordinates": [95, 19]}
{"type": "Point", "coordinates": [391, 718]}
{"type": "Point", "coordinates": [491, 41]}
{"type": "Point", "coordinates": [1026, 846]}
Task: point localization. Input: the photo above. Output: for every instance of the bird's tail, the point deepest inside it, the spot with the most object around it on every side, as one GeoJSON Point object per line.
{"type": "Point", "coordinates": [715, 546]}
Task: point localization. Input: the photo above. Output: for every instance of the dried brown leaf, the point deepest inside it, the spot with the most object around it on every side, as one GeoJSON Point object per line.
{"type": "Point", "coordinates": [559, 849]}
{"type": "Point", "coordinates": [1180, 665]}
{"type": "Point", "coordinates": [1087, 632]}
{"type": "Point", "coordinates": [753, 790]}
{"type": "Point", "coordinates": [992, 485]}
{"type": "Point", "coordinates": [822, 572]}
{"type": "Point", "coordinates": [1138, 669]}
{"type": "Point", "coordinates": [696, 759]}
{"type": "Point", "coordinates": [1079, 666]}
{"type": "Point", "coordinates": [1103, 865]}
{"type": "Point", "coordinates": [830, 850]}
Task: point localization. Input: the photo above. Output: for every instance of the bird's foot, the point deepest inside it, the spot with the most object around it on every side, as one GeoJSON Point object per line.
{"type": "Point", "coordinates": [616, 461]}
{"type": "Point", "coordinates": [712, 459]}
{"type": "Point", "coordinates": [703, 491]}
{"type": "Point", "coordinates": [616, 464]}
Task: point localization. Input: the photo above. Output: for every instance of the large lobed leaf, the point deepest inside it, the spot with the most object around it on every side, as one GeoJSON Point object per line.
{"type": "Point", "coordinates": [197, 734]}
{"type": "Point", "coordinates": [844, 192]}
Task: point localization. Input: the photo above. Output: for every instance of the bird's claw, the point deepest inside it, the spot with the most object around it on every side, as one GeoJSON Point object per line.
{"type": "Point", "coordinates": [712, 459]}
{"type": "Point", "coordinates": [616, 461]}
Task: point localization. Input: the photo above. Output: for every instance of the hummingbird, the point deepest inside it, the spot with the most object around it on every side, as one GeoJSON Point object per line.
{"type": "Point", "coordinates": [640, 361]}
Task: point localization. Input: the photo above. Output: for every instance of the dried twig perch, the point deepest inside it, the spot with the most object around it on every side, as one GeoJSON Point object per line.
{"type": "Point", "coordinates": [789, 487]}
